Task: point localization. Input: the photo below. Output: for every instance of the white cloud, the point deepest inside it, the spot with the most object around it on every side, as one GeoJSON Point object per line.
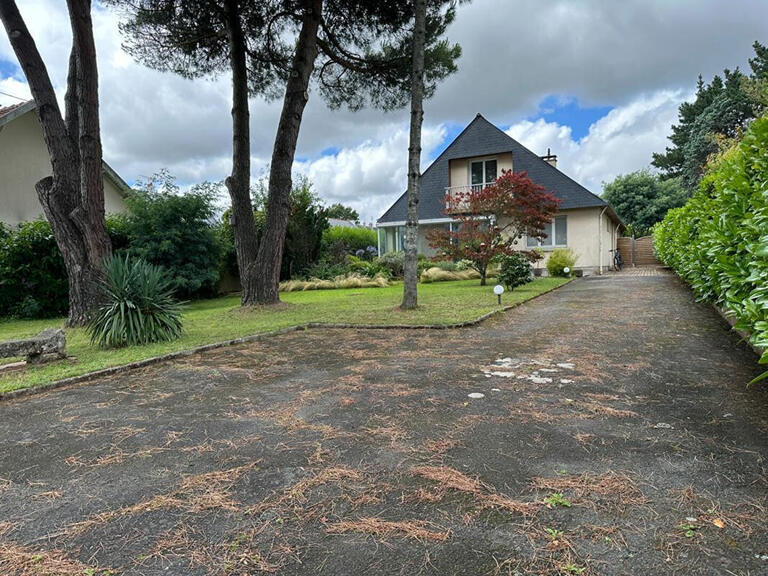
{"type": "Point", "coordinates": [371, 175]}
{"type": "Point", "coordinates": [515, 53]}
{"type": "Point", "coordinates": [14, 89]}
{"type": "Point", "coordinates": [620, 142]}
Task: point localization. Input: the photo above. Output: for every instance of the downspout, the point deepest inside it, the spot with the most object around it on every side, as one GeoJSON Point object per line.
{"type": "Point", "coordinates": [378, 240]}
{"type": "Point", "coordinates": [600, 237]}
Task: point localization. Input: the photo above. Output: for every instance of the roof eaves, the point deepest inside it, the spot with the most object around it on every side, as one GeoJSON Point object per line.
{"type": "Point", "coordinates": [21, 109]}
{"type": "Point", "coordinates": [121, 185]}
{"type": "Point", "coordinates": [16, 111]}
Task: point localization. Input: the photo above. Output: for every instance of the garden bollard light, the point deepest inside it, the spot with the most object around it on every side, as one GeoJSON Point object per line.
{"type": "Point", "coordinates": [498, 290]}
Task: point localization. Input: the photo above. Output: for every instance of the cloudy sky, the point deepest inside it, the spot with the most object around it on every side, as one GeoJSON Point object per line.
{"type": "Point", "coordinates": [597, 81]}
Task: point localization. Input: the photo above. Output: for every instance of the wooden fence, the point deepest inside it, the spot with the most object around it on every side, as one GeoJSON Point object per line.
{"type": "Point", "coordinates": [637, 251]}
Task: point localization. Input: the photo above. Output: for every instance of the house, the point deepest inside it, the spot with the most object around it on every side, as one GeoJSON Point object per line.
{"type": "Point", "coordinates": [585, 222]}
{"type": "Point", "coordinates": [339, 223]}
{"type": "Point", "coordinates": [24, 161]}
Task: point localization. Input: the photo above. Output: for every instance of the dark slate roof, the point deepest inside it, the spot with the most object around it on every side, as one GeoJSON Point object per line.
{"type": "Point", "coordinates": [481, 138]}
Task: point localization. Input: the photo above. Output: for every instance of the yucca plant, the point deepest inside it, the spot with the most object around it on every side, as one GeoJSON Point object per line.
{"type": "Point", "coordinates": [138, 305]}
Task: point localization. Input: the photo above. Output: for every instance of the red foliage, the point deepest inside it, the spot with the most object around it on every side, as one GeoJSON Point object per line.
{"type": "Point", "coordinates": [491, 219]}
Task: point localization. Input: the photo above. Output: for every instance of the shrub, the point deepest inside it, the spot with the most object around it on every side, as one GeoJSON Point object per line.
{"type": "Point", "coordinates": [717, 242]}
{"type": "Point", "coordinates": [325, 270]}
{"type": "Point", "coordinates": [367, 268]}
{"type": "Point", "coordinates": [394, 262]}
{"type": "Point", "coordinates": [352, 239]}
{"type": "Point", "coordinates": [447, 265]}
{"type": "Point", "coordinates": [303, 235]}
{"type": "Point", "coordinates": [174, 231]}
{"type": "Point", "coordinates": [348, 281]}
{"type": "Point", "coordinates": [119, 231]}
{"type": "Point", "coordinates": [33, 279]}
{"type": "Point", "coordinates": [559, 259]}
{"type": "Point", "coordinates": [138, 305]}
{"type": "Point", "coordinates": [304, 232]}
{"type": "Point", "coordinates": [515, 270]}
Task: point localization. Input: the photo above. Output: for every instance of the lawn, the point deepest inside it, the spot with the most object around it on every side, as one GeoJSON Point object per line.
{"type": "Point", "coordinates": [209, 321]}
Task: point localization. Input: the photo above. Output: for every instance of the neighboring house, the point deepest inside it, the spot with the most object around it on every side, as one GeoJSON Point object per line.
{"type": "Point", "coordinates": [24, 161]}
{"type": "Point", "coordinates": [338, 222]}
{"type": "Point", "coordinates": [585, 222]}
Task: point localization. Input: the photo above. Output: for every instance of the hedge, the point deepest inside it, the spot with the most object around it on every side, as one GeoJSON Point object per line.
{"type": "Point", "coordinates": [718, 241]}
{"type": "Point", "coordinates": [33, 280]}
{"type": "Point", "coordinates": [353, 239]}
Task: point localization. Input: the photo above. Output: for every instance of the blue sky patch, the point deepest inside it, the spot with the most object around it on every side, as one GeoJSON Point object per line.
{"type": "Point", "coordinates": [451, 131]}
{"type": "Point", "coordinates": [567, 111]}
{"type": "Point", "coordinates": [8, 69]}
{"type": "Point", "coordinates": [564, 110]}
{"type": "Point", "coordinates": [330, 151]}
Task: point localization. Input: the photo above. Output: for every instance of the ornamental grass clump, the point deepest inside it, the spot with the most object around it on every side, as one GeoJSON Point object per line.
{"type": "Point", "coordinates": [340, 282]}
{"type": "Point", "coordinates": [439, 274]}
{"type": "Point", "coordinates": [138, 305]}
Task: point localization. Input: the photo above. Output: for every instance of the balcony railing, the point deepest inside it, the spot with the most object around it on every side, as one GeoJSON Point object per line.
{"type": "Point", "coordinates": [461, 191]}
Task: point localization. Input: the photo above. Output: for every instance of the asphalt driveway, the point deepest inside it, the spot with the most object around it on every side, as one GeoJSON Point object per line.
{"type": "Point", "coordinates": [614, 436]}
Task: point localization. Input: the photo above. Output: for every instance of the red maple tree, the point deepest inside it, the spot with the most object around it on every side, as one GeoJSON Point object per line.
{"type": "Point", "coordinates": [489, 220]}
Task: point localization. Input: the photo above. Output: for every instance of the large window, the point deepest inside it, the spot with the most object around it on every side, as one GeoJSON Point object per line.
{"type": "Point", "coordinates": [400, 237]}
{"type": "Point", "coordinates": [556, 234]}
{"type": "Point", "coordinates": [482, 172]}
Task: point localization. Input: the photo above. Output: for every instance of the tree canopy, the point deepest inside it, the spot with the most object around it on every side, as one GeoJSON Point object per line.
{"type": "Point", "coordinates": [342, 212]}
{"type": "Point", "coordinates": [354, 52]}
{"type": "Point", "coordinates": [363, 47]}
{"type": "Point", "coordinates": [720, 110]}
{"type": "Point", "coordinates": [642, 198]}
{"type": "Point", "coordinates": [492, 219]}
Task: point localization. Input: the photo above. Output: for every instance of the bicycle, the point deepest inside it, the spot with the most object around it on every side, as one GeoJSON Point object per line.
{"type": "Point", "coordinates": [617, 261]}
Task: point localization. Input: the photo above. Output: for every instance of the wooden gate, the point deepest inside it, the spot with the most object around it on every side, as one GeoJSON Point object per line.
{"type": "Point", "coordinates": [637, 251]}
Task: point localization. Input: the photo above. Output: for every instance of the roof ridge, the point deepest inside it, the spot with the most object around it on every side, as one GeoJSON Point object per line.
{"type": "Point", "coordinates": [477, 139]}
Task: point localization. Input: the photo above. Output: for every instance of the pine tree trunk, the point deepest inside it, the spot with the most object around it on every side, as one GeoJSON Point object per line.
{"type": "Point", "coordinates": [270, 254]}
{"type": "Point", "coordinates": [73, 197]}
{"type": "Point", "coordinates": [238, 183]}
{"type": "Point", "coordinates": [411, 272]}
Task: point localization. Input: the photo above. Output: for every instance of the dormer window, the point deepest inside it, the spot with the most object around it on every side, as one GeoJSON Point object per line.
{"type": "Point", "coordinates": [482, 173]}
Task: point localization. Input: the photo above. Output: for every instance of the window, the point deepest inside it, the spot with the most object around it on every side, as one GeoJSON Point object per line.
{"type": "Point", "coordinates": [482, 172]}
{"type": "Point", "coordinates": [561, 230]}
{"type": "Point", "coordinates": [401, 237]}
{"type": "Point", "coordinates": [556, 231]}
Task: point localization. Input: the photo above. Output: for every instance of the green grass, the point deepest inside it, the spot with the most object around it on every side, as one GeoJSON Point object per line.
{"type": "Point", "coordinates": [208, 321]}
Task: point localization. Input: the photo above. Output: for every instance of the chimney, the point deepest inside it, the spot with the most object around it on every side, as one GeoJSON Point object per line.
{"type": "Point", "coordinates": [550, 158]}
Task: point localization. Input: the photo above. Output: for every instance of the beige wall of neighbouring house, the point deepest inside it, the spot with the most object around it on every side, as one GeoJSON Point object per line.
{"type": "Point", "coordinates": [24, 161]}
{"type": "Point", "coordinates": [459, 169]}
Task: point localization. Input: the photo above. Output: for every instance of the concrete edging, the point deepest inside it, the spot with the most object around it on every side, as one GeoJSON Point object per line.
{"type": "Point", "coordinates": [82, 378]}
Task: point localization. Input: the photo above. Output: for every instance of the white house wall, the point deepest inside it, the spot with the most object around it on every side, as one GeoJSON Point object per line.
{"type": "Point", "coordinates": [24, 161]}
{"type": "Point", "coordinates": [584, 228]}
